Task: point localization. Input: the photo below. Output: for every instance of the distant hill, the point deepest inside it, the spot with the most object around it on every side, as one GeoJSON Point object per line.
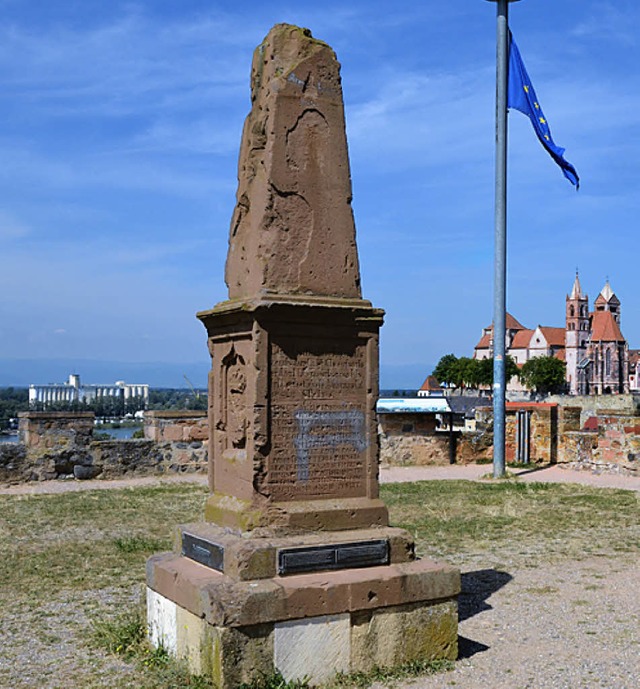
{"type": "Point", "coordinates": [24, 372]}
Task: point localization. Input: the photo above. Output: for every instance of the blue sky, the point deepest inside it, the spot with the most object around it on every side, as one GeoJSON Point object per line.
{"type": "Point", "coordinates": [120, 125]}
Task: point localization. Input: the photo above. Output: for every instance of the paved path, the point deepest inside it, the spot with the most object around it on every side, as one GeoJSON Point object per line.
{"type": "Point", "coordinates": [469, 472]}
{"type": "Point", "coordinates": [479, 472]}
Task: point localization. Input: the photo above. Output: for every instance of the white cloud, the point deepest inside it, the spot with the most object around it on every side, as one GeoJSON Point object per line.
{"type": "Point", "coordinates": [413, 119]}
{"type": "Point", "coordinates": [608, 22]}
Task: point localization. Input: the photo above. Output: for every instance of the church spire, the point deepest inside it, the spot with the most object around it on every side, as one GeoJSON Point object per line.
{"type": "Point", "coordinates": [607, 292]}
{"type": "Point", "coordinates": [576, 292]}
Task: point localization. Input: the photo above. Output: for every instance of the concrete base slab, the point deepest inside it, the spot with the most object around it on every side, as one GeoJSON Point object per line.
{"type": "Point", "coordinates": [316, 647]}
{"type": "Point", "coordinates": [162, 621]}
{"type": "Point", "coordinates": [313, 625]}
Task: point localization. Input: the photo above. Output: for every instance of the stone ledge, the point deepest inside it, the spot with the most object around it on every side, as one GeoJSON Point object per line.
{"type": "Point", "coordinates": [251, 557]}
{"type": "Point", "coordinates": [228, 603]}
{"type": "Point", "coordinates": [338, 514]}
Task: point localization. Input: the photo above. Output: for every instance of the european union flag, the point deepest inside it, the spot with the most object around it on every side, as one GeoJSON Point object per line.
{"type": "Point", "coordinates": [522, 97]}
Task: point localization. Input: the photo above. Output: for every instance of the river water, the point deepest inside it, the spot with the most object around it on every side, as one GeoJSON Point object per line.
{"type": "Point", "coordinates": [123, 433]}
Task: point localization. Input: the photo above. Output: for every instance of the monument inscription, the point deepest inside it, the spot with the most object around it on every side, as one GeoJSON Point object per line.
{"type": "Point", "coordinates": [318, 419]}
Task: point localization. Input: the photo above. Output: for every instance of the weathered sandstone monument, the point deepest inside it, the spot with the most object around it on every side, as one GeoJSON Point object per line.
{"type": "Point", "coordinates": [295, 566]}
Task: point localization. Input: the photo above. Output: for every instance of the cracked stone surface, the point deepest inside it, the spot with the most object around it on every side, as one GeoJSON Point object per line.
{"type": "Point", "coordinates": [292, 231]}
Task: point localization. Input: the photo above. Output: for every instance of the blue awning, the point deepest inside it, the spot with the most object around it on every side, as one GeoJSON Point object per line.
{"type": "Point", "coordinates": [421, 405]}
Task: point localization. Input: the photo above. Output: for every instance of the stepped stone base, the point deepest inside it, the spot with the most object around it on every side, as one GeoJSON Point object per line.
{"type": "Point", "coordinates": [297, 515]}
{"type": "Point", "coordinates": [251, 556]}
{"type": "Point", "coordinates": [313, 625]}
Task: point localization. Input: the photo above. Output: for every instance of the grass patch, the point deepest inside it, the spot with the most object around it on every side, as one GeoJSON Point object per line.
{"type": "Point", "coordinates": [388, 676]}
{"type": "Point", "coordinates": [522, 523]}
{"type": "Point", "coordinates": [141, 544]}
{"type": "Point", "coordinates": [275, 681]}
{"type": "Point", "coordinates": [125, 636]}
{"type": "Point", "coordinates": [355, 680]}
{"type": "Point", "coordinates": [87, 540]}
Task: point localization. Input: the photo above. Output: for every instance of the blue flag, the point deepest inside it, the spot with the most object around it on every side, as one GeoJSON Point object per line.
{"type": "Point", "coordinates": [522, 97]}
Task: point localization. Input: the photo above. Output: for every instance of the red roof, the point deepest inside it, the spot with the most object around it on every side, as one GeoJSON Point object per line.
{"type": "Point", "coordinates": [485, 342]}
{"type": "Point", "coordinates": [554, 336]}
{"type": "Point", "coordinates": [521, 339]}
{"type": "Point", "coordinates": [431, 383]}
{"type": "Point", "coordinates": [560, 354]}
{"type": "Point", "coordinates": [604, 328]}
{"type": "Point", "coordinates": [512, 324]}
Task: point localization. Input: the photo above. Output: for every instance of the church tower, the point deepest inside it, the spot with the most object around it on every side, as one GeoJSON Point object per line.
{"type": "Point", "coordinates": [608, 301]}
{"type": "Point", "coordinates": [608, 351]}
{"type": "Point", "coordinates": [576, 334]}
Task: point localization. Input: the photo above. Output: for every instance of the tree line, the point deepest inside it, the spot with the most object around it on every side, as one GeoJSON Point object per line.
{"type": "Point", "coordinates": [543, 374]}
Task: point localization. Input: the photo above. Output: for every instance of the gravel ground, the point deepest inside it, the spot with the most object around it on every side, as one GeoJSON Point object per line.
{"type": "Point", "coordinates": [565, 626]}
{"type": "Point", "coordinates": [574, 625]}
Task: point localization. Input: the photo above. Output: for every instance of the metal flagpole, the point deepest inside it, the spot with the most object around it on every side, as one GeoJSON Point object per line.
{"type": "Point", "coordinates": [500, 239]}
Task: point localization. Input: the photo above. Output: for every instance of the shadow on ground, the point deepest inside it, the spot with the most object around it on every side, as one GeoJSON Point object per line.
{"type": "Point", "coordinates": [477, 587]}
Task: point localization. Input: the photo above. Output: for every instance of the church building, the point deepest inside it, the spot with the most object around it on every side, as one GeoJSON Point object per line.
{"type": "Point", "coordinates": [591, 344]}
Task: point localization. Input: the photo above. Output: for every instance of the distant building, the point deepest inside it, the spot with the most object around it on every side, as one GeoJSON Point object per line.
{"type": "Point", "coordinates": [74, 391]}
{"type": "Point", "coordinates": [591, 344]}
{"type": "Point", "coordinates": [431, 388]}
{"type": "Point", "coordinates": [634, 370]}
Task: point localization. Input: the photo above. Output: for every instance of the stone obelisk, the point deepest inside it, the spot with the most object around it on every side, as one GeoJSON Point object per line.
{"type": "Point", "coordinates": [295, 567]}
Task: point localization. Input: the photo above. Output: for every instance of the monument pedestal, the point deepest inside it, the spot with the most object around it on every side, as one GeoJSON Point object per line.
{"type": "Point", "coordinates": [251, 605]}
{"type": "Point", "coordinates": [293, 436]}
{"type": "Point", "coordinates": [295, 567]}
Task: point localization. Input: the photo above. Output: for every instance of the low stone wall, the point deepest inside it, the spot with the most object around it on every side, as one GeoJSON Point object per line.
{"type": "Point", "coordinates": [543, 431]}
{"type": "Point", "coordinates": [475, 447]}
{"type": "Point", "coordinates": [118, 458]}
{"type": "Point", "coordinates": [12, 458]}
{"type": "Point", "coordinates": [592, 405]}
{"type": "Point", "coordinates": [59, 445]}
{"type": "Point", "coordinates": [176, 426]}
{"type": "Point", "coordinates": [612, 447]}
{"type": "Point", "coordinates": [412, 439]}
{"type": "Point", "coordinates": [579, 447]}
{"type": "Point", "coordinates": [45, 430]}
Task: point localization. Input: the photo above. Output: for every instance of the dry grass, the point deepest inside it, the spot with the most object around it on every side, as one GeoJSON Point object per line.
{"type": "Point", "coordinates": [519, 524]}
{"type": "Point", "coordinates": [74, 560]}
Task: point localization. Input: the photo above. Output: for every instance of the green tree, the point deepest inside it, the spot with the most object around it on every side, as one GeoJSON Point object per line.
{"type": "Point", "coordinates": [12, 401]}
{"type": "Point", "coordinates": [446, 369]}
{"type": "Point", "coordinates": [467, 370]}
{"type": "Point", "coordinates": [544, 374]}
{"type": "Point", "coordinates": [486, 371]}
